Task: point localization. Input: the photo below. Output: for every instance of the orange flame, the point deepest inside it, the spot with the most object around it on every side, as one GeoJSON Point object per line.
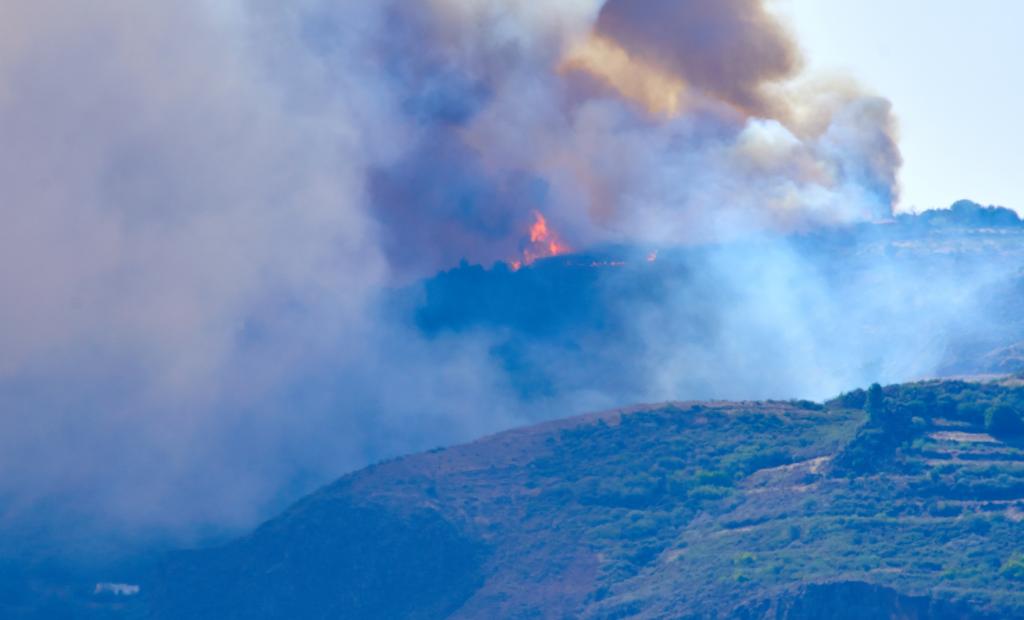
{"type": "Point", "coordinates": [544, 242]}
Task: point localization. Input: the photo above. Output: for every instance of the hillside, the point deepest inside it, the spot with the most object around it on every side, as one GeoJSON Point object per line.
{"type": "Point", "coordinates": [904, 503]}
{"type": "Point", "coordinates": [807, 315]}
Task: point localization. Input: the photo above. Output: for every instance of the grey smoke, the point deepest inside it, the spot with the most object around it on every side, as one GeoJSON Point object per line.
{"type": "Point", "coordinates": [203, 206]}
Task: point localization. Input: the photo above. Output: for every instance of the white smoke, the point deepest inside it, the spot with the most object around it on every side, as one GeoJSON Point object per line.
{"type": "Point", "coordinates": [202, 204]}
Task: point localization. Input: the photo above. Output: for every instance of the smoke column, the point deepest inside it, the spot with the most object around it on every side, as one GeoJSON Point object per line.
{"type": "Point", "coordinates": [204, 205]}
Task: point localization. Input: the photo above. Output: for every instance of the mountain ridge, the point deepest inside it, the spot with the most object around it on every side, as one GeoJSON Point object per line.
{"type": "Point", "coordinates": [675, 510]}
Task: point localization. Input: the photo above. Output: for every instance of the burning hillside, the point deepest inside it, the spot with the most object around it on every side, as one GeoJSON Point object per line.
{"type": "Point", "coordinates": [543, 243]}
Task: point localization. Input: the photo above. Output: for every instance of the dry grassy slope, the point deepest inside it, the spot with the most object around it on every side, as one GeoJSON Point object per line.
{"type": "Point", "coordinates": [660, 511]}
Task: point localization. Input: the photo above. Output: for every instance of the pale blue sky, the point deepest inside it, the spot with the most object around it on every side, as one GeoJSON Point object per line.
{"type": "Point", "coordinates": [953, 70]}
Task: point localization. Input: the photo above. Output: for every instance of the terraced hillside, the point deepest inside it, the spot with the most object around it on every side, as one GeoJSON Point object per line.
{"type": "Point", "coordinates": [936, 510]}
{"type": "Point", "coordinates": [904, 502]}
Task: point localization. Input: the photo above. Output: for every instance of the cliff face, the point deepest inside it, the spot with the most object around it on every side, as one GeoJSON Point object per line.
{"type": "Point", "coordinates": [680, 510]}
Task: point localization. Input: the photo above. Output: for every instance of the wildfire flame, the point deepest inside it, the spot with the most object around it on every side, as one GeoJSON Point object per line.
{"type": "Point", "coordinates": [544, 242]}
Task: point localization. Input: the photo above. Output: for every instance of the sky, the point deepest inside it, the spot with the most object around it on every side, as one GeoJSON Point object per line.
{"type": "Point", "coordinates": [948, 68]}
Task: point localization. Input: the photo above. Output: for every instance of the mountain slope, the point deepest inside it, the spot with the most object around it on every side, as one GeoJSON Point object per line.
{"type": "Point", "coordinates": [804, 315]}
{"type": "Point", "coordinates": [745, 510]}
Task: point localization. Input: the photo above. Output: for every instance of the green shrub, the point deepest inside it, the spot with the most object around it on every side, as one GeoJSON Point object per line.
{"type": "Point", "coordinates": [640, 528]}
{"type": "Point", "coordinates": [708, 492]}
{"type": "Point", "coordinates": [946, 407]}
{"type": "Point", "coordinates": [979, 525]}
{"type": "Point", "coordinates": [944, 509]}
{"type": "Point", "coordinates": [874, 404]}
{"type": "Point", "coordinates": [712, 478]}
{"type": "Point", "coordinates": [849, 400]}
{"type": "Point", "coordinates": [1002, 420]}
{"type": "Point", "coordinates": [1013, 567]}
{"type": "Point", "coordinates": [973, 412]}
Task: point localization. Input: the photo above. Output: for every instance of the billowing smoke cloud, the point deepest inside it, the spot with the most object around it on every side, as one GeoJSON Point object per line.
{"type": "Point", "coordinates": [182, 229]}
{"type": "Point", "coordinates": [206, 209]}
{"type": "Point", "coordinates": [657, 121]}
{"type": "Point", "coordinates": [732, 49]}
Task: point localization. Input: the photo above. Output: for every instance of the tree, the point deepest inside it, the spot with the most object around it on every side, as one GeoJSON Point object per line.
{"type": "Point", "coordinates": [1003, 420]}
{"type": "Point", "coordinates": [875, 404]}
